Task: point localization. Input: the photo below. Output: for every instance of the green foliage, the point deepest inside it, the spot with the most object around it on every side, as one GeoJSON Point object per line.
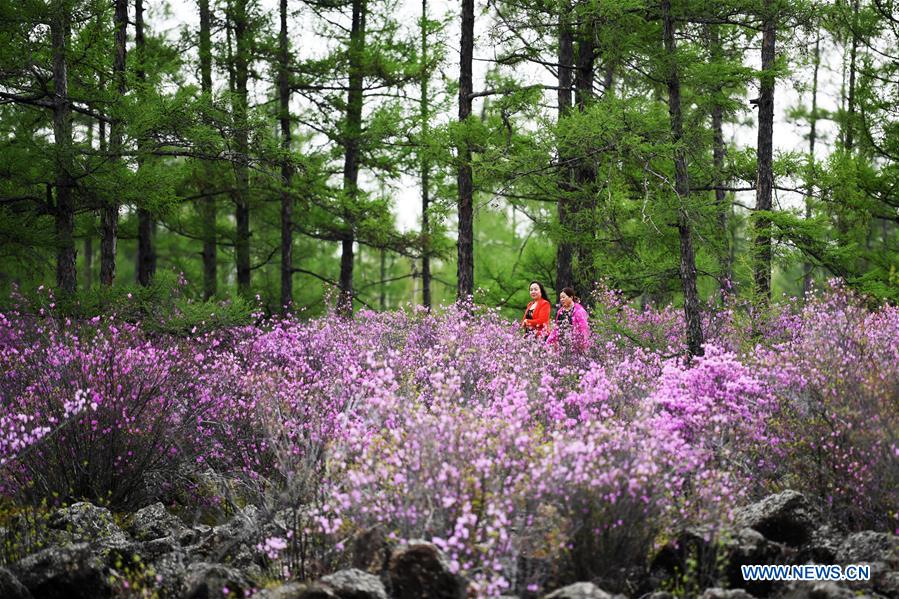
{"type": "Point", "coordinates": [162, 307]}
{"type": "Point", "coordinates": [837, 212]}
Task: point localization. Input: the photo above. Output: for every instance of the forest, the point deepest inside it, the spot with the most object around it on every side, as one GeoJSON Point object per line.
{"type": "Point", "coordinates": [263, 268]}
{"type": "Point", "coordinates": [669, 151]}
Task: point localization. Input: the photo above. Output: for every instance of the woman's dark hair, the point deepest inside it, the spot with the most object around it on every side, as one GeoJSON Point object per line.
{"type": "Point", "coordinates": [570, 293]}
{"type": "Point", "coordinates": [542, 290]}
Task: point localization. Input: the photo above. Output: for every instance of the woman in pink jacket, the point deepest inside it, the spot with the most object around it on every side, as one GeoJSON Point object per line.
{"type": "Point", "coordinates": [571, 322]}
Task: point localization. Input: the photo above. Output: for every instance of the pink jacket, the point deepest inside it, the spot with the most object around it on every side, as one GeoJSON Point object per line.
{"type": "Point", "coordinates": [579, 331]}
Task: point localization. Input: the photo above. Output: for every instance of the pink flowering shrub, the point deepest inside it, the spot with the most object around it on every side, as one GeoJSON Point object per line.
{"type": "Point", "coordinates": [109, 404]}
{"type": "Point", "coordinates": [614, 487]}
{"type": "Point", "coordinates": [836, 372]}
{"type": "Point", "coordinates": [449, 476]}
{"type": "Point", "coordinates": [715, 402]}
{"type": "Point", "coordinates": [621, 326]}
{"type": "Point", "coordinates": [529, 466]}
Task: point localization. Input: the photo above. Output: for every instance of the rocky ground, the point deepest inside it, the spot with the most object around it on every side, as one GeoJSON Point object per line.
{"type": "Point", "coordinates": [87, 554]}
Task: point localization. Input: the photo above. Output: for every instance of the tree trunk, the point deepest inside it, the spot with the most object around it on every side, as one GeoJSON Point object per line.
{"type": "Point", "coordinates": [564, 249]}
{"type": "Point", "coordinates": [465, 259]}
{"type": "Point", "coordinates": [682, 189]}
{"type": "Point", "coordinates": [208, 202]}
{"type": "Point", "coordinates": [146, 254]}
{"type": "Point", "coordinates": [608, 82]}
{"type": "Point", "coordinates": [382, 288]}
{"type": "Point", "coordinates": [286, 169]}
{"type": "Point", "coordinates": [583, 215]}
{"type": "Point", "coordinates": [849, 138]}
{"type": "Point", "coordinates": [345, 301]}
{"type": "Point", "coordinates": [812, 138]}
{"type": "Point", "coordinates": [718, 154]}
{"type": "Point", "coordinates": [66, 277]}
{"type": "Point", "coordinates": [425, 166]}
{"type": "Point", "coordinates": [765, 183]}
{"type": "Point", "coordinates": [103, 145]}
{"type": "Point", "coordinates": [241, 142]}
{"type": "Point", "coordinates": [351, 151]}
{"type": "Point", "coordinates": [109, 214]}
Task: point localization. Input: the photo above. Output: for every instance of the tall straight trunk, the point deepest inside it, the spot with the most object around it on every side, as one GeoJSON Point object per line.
{"type": "Point", "coordinates": [812, 138]}
{"type": "Point", "coordinates": [564, 249]}
{"type": "Point", "coordinates": [351, 150]}
{"type": "Point", "coordinates": [608, 81]}
{"type": "Point", "coordinates": [208, 202]}
{"type": "Point", "coordinates": [109, 214]}
{"type": "Point", "coordinates": [718, 153]}
{"type": "Point", "coordinates": [583, 215]}
{"type": "Point", "coordinates": [465, 185]}
{"type": "Point", "coordinates": [765, 182]}
{"type": "Point", "coordinates": [345, 301]}
{"type": "Point", "coordinates": [88, 251]}
{"type": "Point", "coordinates": [146, 254]}
{"type": "Point", "coordinates": [682, 189]}
{"type": "Point", "coordinates": [849, 127]}
{"type": "Point", "coordinates": [241, 143]}
{"type": "Point", "coordinates": [424, 112]}
{"type": "Point", "coordinates": [102, 141]}
{"type": "Point", "coordinates": [103, 145]}
{"type": "Point", "coordinates": [66, 277]}
{"type": "Point", "coordinates": [286, 169]}
{"type": "Point", "coordinates": [849, 137]}
{"type": "Point", "coordinates": [382, 295]}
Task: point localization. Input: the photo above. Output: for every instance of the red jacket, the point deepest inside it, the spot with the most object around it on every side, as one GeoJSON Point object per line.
{"type": "Point", "coordinates": [539, 324]}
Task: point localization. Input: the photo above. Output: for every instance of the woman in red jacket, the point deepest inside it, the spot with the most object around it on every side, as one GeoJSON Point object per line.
{"type": "Point", "coordinates": [536, 315]}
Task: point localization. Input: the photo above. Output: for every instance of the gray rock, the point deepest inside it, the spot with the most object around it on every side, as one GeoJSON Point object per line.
{"type": "Point", "coordinates": [716, 593]}
{"type": "Point", "coordinates": [370, 550]}
{"type": "Point", "coordinates": [155, 522]}
{"type": "Point", "coordinates": [213, 581]}
{"type": "Point", "coordinates": [355, 584]}
{"type": "Point", "coordinates": [85, 522]}
{"type": "Point", "coordinates": [220, 547]}
{"type": "Point", "coordinates": [700, 551]}
{"type": "Point", "coordinates": [746, 547]}
{"type": "Point", "coordinates": [690, 541]}
{"type": "Point", "coordinates": [823, 546]}
{"type": "Point", "coordinates": [291, 590]}
{"type": "Point", "coordinates": [155, 549]}
{"type": "Point", "coordinates": [870, 547]}
{"type": "Point", "coordinates": [419, 569]}
{"type": "Point", "coordinates": [881, 552]}
{"type": "Point", "coordinates": [817, 590]}
{"type": "Point", "coordinates": [887, 583]}
{"type": "Point", "coordinates": [169, 569]}
{"type": "Point", "coordinates": [194, 535]}
{"type": "Point", "coordinates": [785, 517]}
{"type": "Point", "coordinates": [72, 572]}
{"type": "Point", "coordinates": [233, 541]}
{"type": "Point", "coordinates": [319, 591]}
{"type": "Point", "coordinates": [581, 590]}
{"type": "Point", "coordinates": [11, 588]}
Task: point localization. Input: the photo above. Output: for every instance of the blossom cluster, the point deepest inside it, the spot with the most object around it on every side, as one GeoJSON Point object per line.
{"type": "Point", "coordinates": [526, 464]}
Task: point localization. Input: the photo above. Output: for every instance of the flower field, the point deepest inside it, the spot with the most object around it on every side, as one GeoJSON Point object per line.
{"type": "Point", "coordinates": [527, 465]}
